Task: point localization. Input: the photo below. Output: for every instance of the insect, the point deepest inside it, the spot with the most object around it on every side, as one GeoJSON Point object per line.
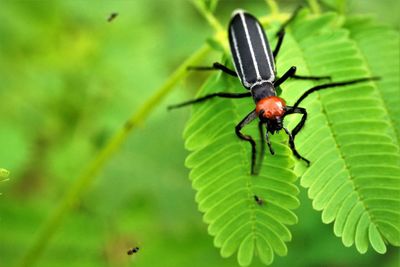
{"type": "Point", "coordinates": [112, 16]}
{"type": "Point", "coordinates": [254, 64]}
{"type": "Point", "coordinates": [259, 200]}
{"type": "Point", "coordinates": [133, 250]}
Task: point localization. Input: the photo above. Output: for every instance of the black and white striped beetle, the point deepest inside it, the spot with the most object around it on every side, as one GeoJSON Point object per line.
{"type": "Point", "coordinates": [255, 67]}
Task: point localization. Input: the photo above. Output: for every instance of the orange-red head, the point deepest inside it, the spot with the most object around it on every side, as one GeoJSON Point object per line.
{"type": "Point", "coordinates": [271, 107]}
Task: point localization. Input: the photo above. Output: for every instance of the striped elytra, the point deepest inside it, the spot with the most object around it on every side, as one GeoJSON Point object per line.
{"type": "Point", "coordinates": [252, 57]}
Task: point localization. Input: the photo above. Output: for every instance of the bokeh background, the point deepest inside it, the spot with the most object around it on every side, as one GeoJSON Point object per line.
{"type": "Point", "coordinates": [68, 80]}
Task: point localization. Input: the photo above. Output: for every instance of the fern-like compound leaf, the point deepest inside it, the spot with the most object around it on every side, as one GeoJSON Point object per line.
{"type": "Point", "coordinates": [379, 46]}
{"type": "Point", "coordinates": [220, 164]}
{"type": "Point", "coordinates": [350, 137]}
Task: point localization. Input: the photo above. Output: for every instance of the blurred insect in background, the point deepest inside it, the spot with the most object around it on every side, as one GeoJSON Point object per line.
{"type": "Point", "coordinates": [112, 16]}
{"type": "Point", "coordinates": [133, 250]}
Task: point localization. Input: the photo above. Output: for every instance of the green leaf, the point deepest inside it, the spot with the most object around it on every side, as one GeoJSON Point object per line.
{"type": "Point", "coordinates": [379, 46]}
{"type": "Point", "coordinates": [350, 138]}
{"type": "Point", "coordinates": [4, 173]}
{"type": "Point", "coordinates": [338, 5]}
{"type": "Point", "coordinates": [220, 164]}
{"type": "Point", "coordinates": [212, 42]}
{"type": "Point", "coordinates": [211, 4]}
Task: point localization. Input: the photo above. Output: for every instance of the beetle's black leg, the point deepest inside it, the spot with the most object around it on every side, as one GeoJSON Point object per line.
{"type": "Point", "coordinates": [215, 66]}
{"type": "Point", "coordinates": [329, 85]}
{"type": "Point", "coordinates": [285, 76]}
{"type": "Point", "coordinates": [281, 32]}
{"type": "Point", "coordinates": [300, 125]}
{"type": "Point", "coordinates": [291, 73]}
{"type": "Point", "coordinates": [315, 78]}
{"type": "Point", "coordinates": [296, 130]}
{"type": "Point", "coordinates": [262, 145]}
{"type": "Point", "coordinates": [293, 147]}
{"type": "Point", "coordinates": [269, 144]}
{"type": "Point", "coordinates": [262, 142]}
{"type": "Point", "coordinates": [249, 118]}
{"type": "Point", "coordinates": [206, 97]}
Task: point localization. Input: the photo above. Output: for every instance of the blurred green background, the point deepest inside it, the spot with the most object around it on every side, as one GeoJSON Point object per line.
{"type": "Point", "coordinates": [68, 80]}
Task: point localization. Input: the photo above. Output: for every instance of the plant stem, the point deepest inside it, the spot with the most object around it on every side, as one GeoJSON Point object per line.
{"type": "Point", "coordinates": [314, 6]}
{"type": "Point", "coordinates": [273, 5]}
{"type": "Point", "coordinates": [208, 16]}
{"type": "Point", "coordinates": [341, 4]}
{"type": "Point", "coordinates": [83, 182]}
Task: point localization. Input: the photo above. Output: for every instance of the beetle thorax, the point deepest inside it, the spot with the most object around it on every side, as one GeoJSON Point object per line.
{"type": "Point", "coordinates": [272, 107]}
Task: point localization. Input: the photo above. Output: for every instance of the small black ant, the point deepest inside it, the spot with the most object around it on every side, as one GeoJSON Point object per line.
{"type": "Point", "coordinates": [133, 250]}
{"type": "Point", "coordinates": [259, 200]}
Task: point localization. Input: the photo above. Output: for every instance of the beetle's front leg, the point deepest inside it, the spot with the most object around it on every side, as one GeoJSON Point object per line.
{"type": "Point", "coordinates": [296, 130]}
{"type": "Point", "coordinates": [249, 118]}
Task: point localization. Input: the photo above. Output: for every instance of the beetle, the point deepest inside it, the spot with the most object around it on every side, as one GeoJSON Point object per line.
{"type": "Point", "coordinates": [254, 63]}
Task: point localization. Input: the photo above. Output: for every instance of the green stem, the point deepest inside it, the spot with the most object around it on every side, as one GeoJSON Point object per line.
{"type": "Point", "coordinates": [273, 5]}
{"type": "Point", "coordinates": [213, 5]}
{"type": "Point", "coordinates": [83, 182]}
{"type": "Point", "coordinates": [208, 16]}
{"type": "Point", "coordinates": [315, 7]}
{"type": "Point", "coordinates": [341, 4]}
